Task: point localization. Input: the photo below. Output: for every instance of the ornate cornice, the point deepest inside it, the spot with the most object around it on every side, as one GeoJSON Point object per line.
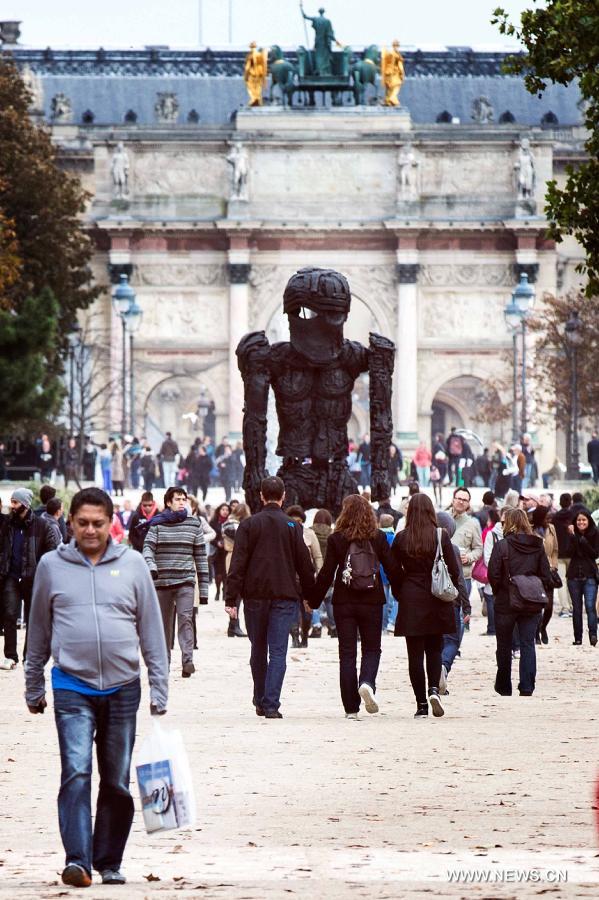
{"type": "Point", "coordinates": [452, 62]}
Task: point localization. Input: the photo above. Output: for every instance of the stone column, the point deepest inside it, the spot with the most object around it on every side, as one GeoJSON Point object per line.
{"type": "Point", "coordinates": [239, 295]}
{"type": "Point", "coordinates": [406, 362]}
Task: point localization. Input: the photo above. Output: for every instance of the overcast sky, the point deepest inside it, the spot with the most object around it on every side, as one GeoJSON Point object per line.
{"type": "Point", "coordinates": [135, 23]}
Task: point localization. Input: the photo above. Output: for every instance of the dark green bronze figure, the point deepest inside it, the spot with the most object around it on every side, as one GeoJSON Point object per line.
{"type": "Point", "coordinates": [323, 38]}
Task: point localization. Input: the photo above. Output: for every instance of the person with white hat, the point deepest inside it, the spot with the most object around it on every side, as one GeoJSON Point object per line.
{"type": "Point", "coordinates": [24, 538]}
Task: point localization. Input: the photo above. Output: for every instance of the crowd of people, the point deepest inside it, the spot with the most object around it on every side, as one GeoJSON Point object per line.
{"type": "Point", "coordinates": [97, 585]}
{"type": "Point", "coordinates": [130, 462]}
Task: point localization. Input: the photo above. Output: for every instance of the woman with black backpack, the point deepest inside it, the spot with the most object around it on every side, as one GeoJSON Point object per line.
{"type": "Point", "coordinates": [520, 577]}
{"type": "Point", "coordinates": [355, 551]}
{"type": "Point", "coordinates": [423, 618]}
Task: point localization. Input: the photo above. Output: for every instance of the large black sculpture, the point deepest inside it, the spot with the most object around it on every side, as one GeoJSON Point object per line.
{"type": "Point", "coordinates": [313, 379]}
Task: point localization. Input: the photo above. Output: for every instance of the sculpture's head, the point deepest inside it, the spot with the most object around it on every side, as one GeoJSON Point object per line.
{"type": "Point", "coordinates": [321, 11]}
{"type": "Point", "coordinates": [317, 302]}
{"type": "Point", "coordinates": [253, 45]}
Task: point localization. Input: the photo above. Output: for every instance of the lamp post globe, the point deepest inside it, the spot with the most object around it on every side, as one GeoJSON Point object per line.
{"type": "Point", "coordinates": [123, 295]}
{"type": "Point", "coordinates": [133, 315]}
{"type": "Point", "coordinates": [523, 296]}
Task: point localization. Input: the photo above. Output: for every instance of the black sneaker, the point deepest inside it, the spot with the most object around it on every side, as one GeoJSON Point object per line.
{"type": "Point", "coordinates": [593, 640]}
{"type": "Point", "coordinates": [259, 711]}
{"type": "Point", "coordinates": [112, 876]}
{"type": "Point", "coordinates": [576, 643]}
{"type": "Point", "coordinates": [272, 714]}
{"type": "Point", "coordinates": [421, 711]}
{"type": "Point", "coordinates": [544, 637]}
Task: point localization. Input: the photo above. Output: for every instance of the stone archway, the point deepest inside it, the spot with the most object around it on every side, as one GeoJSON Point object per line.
{"type": "Point", "coordinates": [457, 403]}
{"type": "Point", "coordinates": [172, 405]}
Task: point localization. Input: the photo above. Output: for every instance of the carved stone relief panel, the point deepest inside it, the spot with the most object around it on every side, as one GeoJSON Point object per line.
{"type": "Point", "coordinates": [185, 317]}
{"type": "Point", "coordinates": [178, 275]}
{"type": "Point", "coordinates": [179, 173]}
{"type": "Point", "coordinates": [467, 173]}
{"type": "Point", "coordinates": [452, 315]}
{"type": "Point", "coordinates": [485, 275]}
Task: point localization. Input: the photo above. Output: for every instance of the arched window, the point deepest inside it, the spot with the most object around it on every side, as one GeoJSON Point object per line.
{"type": "Point", "coordinates": [549, 120]}
{"type": "Point", "coordinates": [131, 116]}
{"type": "Point", "coordinates": [506, 118]}
{"type": "Point", "coordinates": [194, 117]}
{"type": "Point", "coordinates": [444, 117]}
{"type": "Point", "coordinates": [88, 117]}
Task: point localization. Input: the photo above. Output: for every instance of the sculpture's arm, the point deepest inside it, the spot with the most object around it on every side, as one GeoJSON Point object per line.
{"type": "Point", "coordinates": [253, 359]}
{"type": "Point", "coordinates": [381, 353]}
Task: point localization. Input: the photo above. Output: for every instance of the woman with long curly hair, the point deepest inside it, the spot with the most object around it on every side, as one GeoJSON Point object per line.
{"type": "Point", "coordinates": [218, 557]}
{"type": "Point", "coordinates": [355, 551]}
{"type": "Point", "coordinates": [422, 618]}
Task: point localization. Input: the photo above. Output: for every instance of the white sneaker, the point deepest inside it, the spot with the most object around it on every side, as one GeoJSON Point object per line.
{"type": "Point", "coordinates": [443, 681]}
{"type": "Point", "coordinates": [352, 716]}
{"type": "Point", "coordinates": [367, 695]}
{"type": "Point", "coordinates": [8, 664]}
{"type": "Point", "coordinates": [436, 705]}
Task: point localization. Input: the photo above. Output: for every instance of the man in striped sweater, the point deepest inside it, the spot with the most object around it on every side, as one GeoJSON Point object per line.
{"type": "Point", "coordinates": [175, 552]}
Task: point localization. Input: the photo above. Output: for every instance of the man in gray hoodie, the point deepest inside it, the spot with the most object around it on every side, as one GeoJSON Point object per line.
{"type": "Point", "coordinates": [94, 606]}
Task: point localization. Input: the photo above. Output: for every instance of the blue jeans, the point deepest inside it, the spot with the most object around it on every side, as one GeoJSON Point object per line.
{"type": "Point", "coordinates": [390, 608]}
{"type": "Point", "coordinates": [268, 623]}
{"type": "Point", "coordinates": [451, 642]}
{"type": "Point", "coordinates": [505, 623]}
{"type": "Point", "coordinates": [490, 600]}
{"type": "Point", "coordinates": [583, 588]}
{"type": "Point", "coordinates": [107, 480]}
{"type": "Point", "coordinates": [111, 720]}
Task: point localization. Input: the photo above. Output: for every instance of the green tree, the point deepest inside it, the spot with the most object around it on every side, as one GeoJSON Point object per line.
{"type": "Point", "coordinates": [45, 275]}
{"type": "Point", "coordinates": [562, 46]}
{"type": "Point", "coordinates": [27, 346]}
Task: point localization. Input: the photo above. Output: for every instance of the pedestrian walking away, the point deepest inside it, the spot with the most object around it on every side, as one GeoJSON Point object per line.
{"type": "Point", "coordinates": [593, 456]}
{"type": "Point", "coordinates": [582, 573]}
{"type": "Point", "coordinates": [94, 606]}
{"type": "Point", "coordinates": [355, 551]}
{"type": "Point", "coordinates": [169, 454]}
{"type": "Point", "coordinates": [175, 552]}
{"type": "Point", "coordinates": [423, 618]}
{"type": "Point", "coordinates": [520, 552]}
{"type": "Point", "coordinates": [269, 559]}
{"type": "Point", "coordinates": [24, 539]}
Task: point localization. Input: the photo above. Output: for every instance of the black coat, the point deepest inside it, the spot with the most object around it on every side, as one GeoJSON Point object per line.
{"type": "Point", "coordinates": [593, 451]}
{"type": "Point", "coordinates": [583, 550]}
{"type": "Point", "coordinates": [526, 556]}
{"type": "Point", "coordinates": [387, 510]}
{"type": "Point", "coordinates": [269, 558]}
{"type": "Point", "coordinates": [560, 521]}
{"type": "Point", "coordinates": [39, 538]}
{"type": "Point", "coordinates": [419, 611]}
{"type": "Point", "coordinates": [334, 562]}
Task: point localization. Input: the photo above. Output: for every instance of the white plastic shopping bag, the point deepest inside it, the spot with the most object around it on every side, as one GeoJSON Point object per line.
{"type": "Point", "coordinates": [165, 783]}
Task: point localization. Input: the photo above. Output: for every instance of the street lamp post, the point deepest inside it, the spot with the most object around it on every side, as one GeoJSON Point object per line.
{"type": "Point", "coordinates": [523, 298]}
{"type": "Point", "coordinates": [133, 318]}
{"type": "Point", "coordinates": [129, 312]}
{"type": "Point", "coordinates": [574, 338]}
{"type": "Point", "coordinates": [513, 318]}
{"type": "Point", "coordinates": [74, 336]}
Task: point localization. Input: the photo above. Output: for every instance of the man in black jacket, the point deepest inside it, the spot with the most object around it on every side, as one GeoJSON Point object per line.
{"type": "Point", "coordinates": [24, 538]}
{"type": "Point", "coordinates": [269, 558]}
{"type": "Point", "coordinates": [593, 455]}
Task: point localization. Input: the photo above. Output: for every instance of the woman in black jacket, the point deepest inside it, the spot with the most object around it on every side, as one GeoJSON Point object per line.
{"type": "Point", "coordinates": [217, 559]}
{"type": "Point", "coordinates": [582, 573]}
{"type": "Point", "coordinates": [519, 553]}
{"type": "Point", "coordinates": [422, 618]}
{"type": "Point", "coordinates": [356, 609]}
